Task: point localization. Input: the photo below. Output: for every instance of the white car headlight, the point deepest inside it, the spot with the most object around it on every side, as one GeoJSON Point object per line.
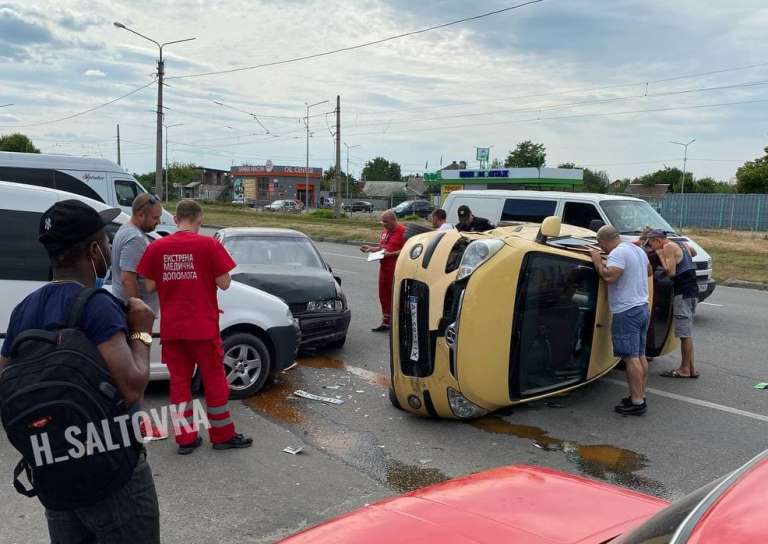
{"type": "Point", "coordinates": [329, 305]}
{"type": "Point", "coordinates": [477, 253]}
{"type": "Point", "coordinates": [463, 408]}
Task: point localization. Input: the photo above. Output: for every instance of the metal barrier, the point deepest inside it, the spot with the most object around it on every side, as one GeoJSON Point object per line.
{"type": "Point", "coordinates": [717, 211]}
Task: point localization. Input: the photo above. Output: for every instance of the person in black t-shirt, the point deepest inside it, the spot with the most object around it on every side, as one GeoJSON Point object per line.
{"type": "Point", "coordinates": [470, 223]}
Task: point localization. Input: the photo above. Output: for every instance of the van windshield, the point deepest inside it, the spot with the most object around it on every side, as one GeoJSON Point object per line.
{"type": "Point", "coordinates": [633, 216]}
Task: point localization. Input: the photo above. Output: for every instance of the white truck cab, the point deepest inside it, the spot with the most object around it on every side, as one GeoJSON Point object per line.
{"type": "Point", "coordinates": [588, 210]}
{"type": "Point", "coordinates": [98, 179]}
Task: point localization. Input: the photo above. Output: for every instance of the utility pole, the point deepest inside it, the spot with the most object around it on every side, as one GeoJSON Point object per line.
{"type": "Point", "coordinates": [348, 148]}
{"type": "Point", "coordinates": [337, 200]}
{"type": "Point", "coordinates": [306, 172]}
{"type": "Point", "coordinates": [167, 170]}
{"type": "Point", "coordinates": [118, 145]}
{"type": "Point", "coordinates": [159, 131]}
{"type": "Point", "coordinates": [682, 181]}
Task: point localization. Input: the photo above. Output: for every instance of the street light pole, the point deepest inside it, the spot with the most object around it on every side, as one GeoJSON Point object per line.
{"type": "Point", "coordinates": [159, 131]}
{"type": "Point", "coordinates": [682, 182]}
{"type": "Point", "coordinates": [167, 171]}
{"type": "Point", "coordinates": [306, 172]}
{"type": "Point", "coordinates": [348, 148]}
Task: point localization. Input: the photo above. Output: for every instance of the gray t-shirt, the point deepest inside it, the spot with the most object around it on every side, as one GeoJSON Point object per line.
{"type": "Point", "coordinates": [128, 246]}
{"type": "Point", "coordinates": [631, 289]}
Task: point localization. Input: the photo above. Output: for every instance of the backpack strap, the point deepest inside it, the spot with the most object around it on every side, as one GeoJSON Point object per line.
{"type": "Point", "coordinates": [73, 321]}
{"type": "Point", "coordinates": [23, 466]}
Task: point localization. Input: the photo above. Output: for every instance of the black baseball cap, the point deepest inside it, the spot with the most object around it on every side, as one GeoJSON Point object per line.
{"type": "Point", "coordinates": [69, 222]}
{"type": "Point", "coordinates": [464, 211]}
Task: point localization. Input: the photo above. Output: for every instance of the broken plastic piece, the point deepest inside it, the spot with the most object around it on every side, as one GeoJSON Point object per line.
{"type": "Point", "coordinates": [294, 450]}
{"type": "Point", "coordinates": [310, 396]}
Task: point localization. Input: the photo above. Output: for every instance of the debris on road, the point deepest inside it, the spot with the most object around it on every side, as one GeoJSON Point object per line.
{"type": "Point", "coordinates": [425, 461]}
{"type": "Point", "coordinates": [294, 450]}
{"type": "Point", "coordinates": [331, 387]}
{"type": "Point", "coordinates": [330, 400]}
{"type": "Point", "coordinates": [762, 385]}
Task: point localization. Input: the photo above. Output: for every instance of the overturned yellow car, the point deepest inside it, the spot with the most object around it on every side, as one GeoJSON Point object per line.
{"type": "Point", "coordinates": [483, 321]}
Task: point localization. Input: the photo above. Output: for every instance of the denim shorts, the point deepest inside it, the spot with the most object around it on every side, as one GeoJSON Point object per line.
{"type": "Point", "coordinates": [629, 331]}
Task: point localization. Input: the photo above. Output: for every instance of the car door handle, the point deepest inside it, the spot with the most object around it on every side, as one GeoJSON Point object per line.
{"type": "Point", "coordinates": [598, 326]}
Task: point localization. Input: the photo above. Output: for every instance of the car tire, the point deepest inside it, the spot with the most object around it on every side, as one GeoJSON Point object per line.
{"type": "Point", "coordinates": [247, 355]}
{"type": "Point", "coordinates": [337, 344]}
{"type": "Point", "coordinates": [393, 398]}
{"type": "Point", "coordinates": [412, 229]}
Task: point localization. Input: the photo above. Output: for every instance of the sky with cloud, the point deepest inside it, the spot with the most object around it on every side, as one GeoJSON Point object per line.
{"type": "Point", "coordinates": [605, 84]}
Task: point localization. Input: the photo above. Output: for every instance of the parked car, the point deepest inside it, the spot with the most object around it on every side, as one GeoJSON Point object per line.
{"type": "Point", "coordinates": [422, 208]}
{"type": "Point", "coordinates": [358, 206]}
{"type": "Point", "coordinates": [588, 210]}
{"type": "Point", "coordinates": [287, 264]}
{"type": "Point", "coordinates": [533, 505]}
{"type": "Point", "coordinates": [259, 332]}
{"type": "Point", "coordinates": [482, 321]}
{"type": "Point", "coordinates": [99, 179]}
{"type": "Point", "coordinates": [282, 206]}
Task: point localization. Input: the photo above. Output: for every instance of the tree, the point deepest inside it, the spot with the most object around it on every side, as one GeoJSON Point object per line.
{"type": "Point", "coordinates": [752, 177]}
{"type": "Point", "coordinates": [594, 182]}
{"type": "Point", "coordinates": [17, 142]}
{"type": "Point", "coordinates": [380, 169]}
{"type": "Point", "coordinates": [179, 173]}
{"type": "Point", "coordinates": [526, 154]}
{"type": "Point", "coordinates": [330, 174]}
{"type": "Point", "coordinates": [710, 185]}
{"type": "Point", "coordinates": [667, 176]}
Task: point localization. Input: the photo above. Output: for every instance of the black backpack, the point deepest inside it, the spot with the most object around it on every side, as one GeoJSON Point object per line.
{"type": "Point", "coordinates": [56, 380]}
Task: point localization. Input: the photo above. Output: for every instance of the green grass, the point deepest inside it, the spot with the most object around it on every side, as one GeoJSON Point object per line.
{"type": "Point", "coordinates": [735, 255]}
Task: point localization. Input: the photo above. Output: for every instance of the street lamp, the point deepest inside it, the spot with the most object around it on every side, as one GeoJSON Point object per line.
{"type": "Point", "coordinates": [306, 172]}
{"type": "Point", "coordinates": [160, 73]}
{"type": "Point", "coordinates": [348, 148]}
{"type": "Point", "coordinates": [167, 171]}
{"type": "Point", "coordinates": [682, 182]}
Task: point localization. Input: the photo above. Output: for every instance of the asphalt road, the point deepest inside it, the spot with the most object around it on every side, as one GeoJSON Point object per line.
{"type": "Point", "coordinates": [364, 449]}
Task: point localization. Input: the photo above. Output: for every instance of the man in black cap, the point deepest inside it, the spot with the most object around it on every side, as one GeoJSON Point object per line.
{"type": "Point", "coordinates": [470, 223]}
{"type": "Point", "coordinates": [77, 245]}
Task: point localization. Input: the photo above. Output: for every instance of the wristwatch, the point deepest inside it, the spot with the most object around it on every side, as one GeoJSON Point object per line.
{"type": "Point", "coordinates": [143, 337]}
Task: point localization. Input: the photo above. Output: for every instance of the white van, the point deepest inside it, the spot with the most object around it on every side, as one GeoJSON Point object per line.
{"type": "Point", "coordinates": [589, 210]}
{"type": "Point", "coordinates": [259, 332]}
{"type": "Point", "coordinates": [98, 179]}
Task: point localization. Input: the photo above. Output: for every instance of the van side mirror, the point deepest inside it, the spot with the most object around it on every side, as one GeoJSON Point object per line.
{"type": "Point", "coordinates": [595, 224]}
{"type": "Point", "coordinates": [550, 228]}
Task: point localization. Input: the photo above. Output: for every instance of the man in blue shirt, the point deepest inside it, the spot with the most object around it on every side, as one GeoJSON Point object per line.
{"type": "Point", "coordinates": [73, 235]}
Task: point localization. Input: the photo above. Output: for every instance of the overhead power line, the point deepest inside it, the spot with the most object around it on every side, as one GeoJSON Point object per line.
{"type": "Point", "coordinates": [358, 46]}
{"type": "Point", "coordinates": [80, 113]}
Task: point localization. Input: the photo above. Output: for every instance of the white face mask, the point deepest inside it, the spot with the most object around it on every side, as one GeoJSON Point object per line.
{"type": "Point", "coordinates": [99, 282]}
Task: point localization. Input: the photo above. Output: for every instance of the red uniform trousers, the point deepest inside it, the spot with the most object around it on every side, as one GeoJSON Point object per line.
{"type": "Point", "coordinates": [386, 279]}
{"type": "Point", "coordinates": [181, 356]}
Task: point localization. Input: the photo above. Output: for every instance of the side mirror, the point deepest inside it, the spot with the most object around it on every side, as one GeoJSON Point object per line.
{"type": "Point", "coordinates": [550, 228]}
{"type": "Point", "coordinates": [595, 224]}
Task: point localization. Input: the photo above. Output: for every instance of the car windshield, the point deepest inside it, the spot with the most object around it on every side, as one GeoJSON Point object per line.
{"type": "Point", "coordinates": [278, 203]}
{"type": "Point", "coordinates": [661, 527]}
{"type": "Point", "coordinates": [273, 251]}
{"type": "Point", "coordinates": [633, 216]}
{"type": "Point", "coordinates": [402, 206]}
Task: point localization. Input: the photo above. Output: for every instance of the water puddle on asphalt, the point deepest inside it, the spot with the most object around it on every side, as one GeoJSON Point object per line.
{"type": "Point", "coordinates": [599, 461]}
{"type": "Point", "coordinates": [403, 478]}
{"type": "Point", "coordinates": [277, 400]}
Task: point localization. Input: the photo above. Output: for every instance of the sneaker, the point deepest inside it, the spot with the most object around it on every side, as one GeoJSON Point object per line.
{"type": "Point", "coordinates": [627, 401]}
{"type": "Point", "coordinates": [150, 432]}
{"type": "Point", "coordinates": [237, 441]}
{"type": "Point", "coordinates": [189, 448]}
{"type": "Point", "coordinates": [632, 409]}
{"type": "Point", "coordinates": [381, 328]}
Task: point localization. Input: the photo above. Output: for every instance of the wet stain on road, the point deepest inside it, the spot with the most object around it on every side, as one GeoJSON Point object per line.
{"type": "Point", "coordinates": [599, 461]}
{"type": "Point", "coordinates": [403, 478]}
{"type": "Point", "coordinates": [369, 376]}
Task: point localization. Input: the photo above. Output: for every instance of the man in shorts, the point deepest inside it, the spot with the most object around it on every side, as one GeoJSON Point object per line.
{"type": "Point", "coordinates": [626, 273]}
{"type": "Point", "coordinates": [676, 258]}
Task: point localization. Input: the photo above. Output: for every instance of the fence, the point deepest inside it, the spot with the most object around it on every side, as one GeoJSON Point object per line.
{"type": "Point", "coordinates": [717, 211]}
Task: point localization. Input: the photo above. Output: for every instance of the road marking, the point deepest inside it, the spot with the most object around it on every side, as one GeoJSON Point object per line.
{"type": "Point", "coordinates": [697, 402]}
{"type": "Point", "coordinates": [343, 271]}
{"type": "Point", "coordinates": [711, 304]}
{"type": "Point", "coordinates": [345, 256]}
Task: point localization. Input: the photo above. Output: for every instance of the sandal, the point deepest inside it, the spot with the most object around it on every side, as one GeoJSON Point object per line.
{"type": "Point", "coordinates": [676, 374]}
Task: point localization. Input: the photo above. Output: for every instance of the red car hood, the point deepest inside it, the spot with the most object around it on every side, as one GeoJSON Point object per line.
{"type": "Point", "coordinates": [517, 504]}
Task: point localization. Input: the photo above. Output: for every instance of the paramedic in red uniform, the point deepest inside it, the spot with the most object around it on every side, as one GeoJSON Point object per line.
{"type": "Point", "coordinates": [186, 269]}
{"type": "Point", "coordinates": [391, 241]}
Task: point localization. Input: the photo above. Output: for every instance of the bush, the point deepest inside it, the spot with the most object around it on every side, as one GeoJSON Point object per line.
{"type": "Point", "coordinates": [323, 214]}
{"type": "Point", "coordinates": [412, 218]}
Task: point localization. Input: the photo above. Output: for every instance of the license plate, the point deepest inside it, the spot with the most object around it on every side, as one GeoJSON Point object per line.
{"type": "Point", "coordinates": [702, 288]}
{"type": "Point", "coordinates": [413, 304]}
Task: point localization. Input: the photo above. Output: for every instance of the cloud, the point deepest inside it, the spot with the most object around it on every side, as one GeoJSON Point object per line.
{"type": "Point", "coordinates": [94, 73]}
{"type": "Point", "coordinates": [16, 30]}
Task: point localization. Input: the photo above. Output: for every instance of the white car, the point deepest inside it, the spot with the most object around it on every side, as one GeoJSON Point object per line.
{"type": "Point", "coordinates": [260, 334]}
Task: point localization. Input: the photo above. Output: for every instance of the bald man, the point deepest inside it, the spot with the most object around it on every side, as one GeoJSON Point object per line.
{"type": "Point", "coordinates": [626, 273]}
{"type": "Point", "coordinates": [391, 240]}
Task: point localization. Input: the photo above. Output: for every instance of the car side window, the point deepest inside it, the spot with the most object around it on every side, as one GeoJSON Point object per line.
{"type": "Point", "coordinates": [28, 176]}
{"type": "Point", "coordinates": [580, 214]}
{"type": "Point", "coordinates": [23, 257]}
{"type": "Point", "coordinates": [533, 211]}
{"type": "Point", "coordinates": [71, 184]}
{"type": "Point", "coordinates": [126, 191]}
